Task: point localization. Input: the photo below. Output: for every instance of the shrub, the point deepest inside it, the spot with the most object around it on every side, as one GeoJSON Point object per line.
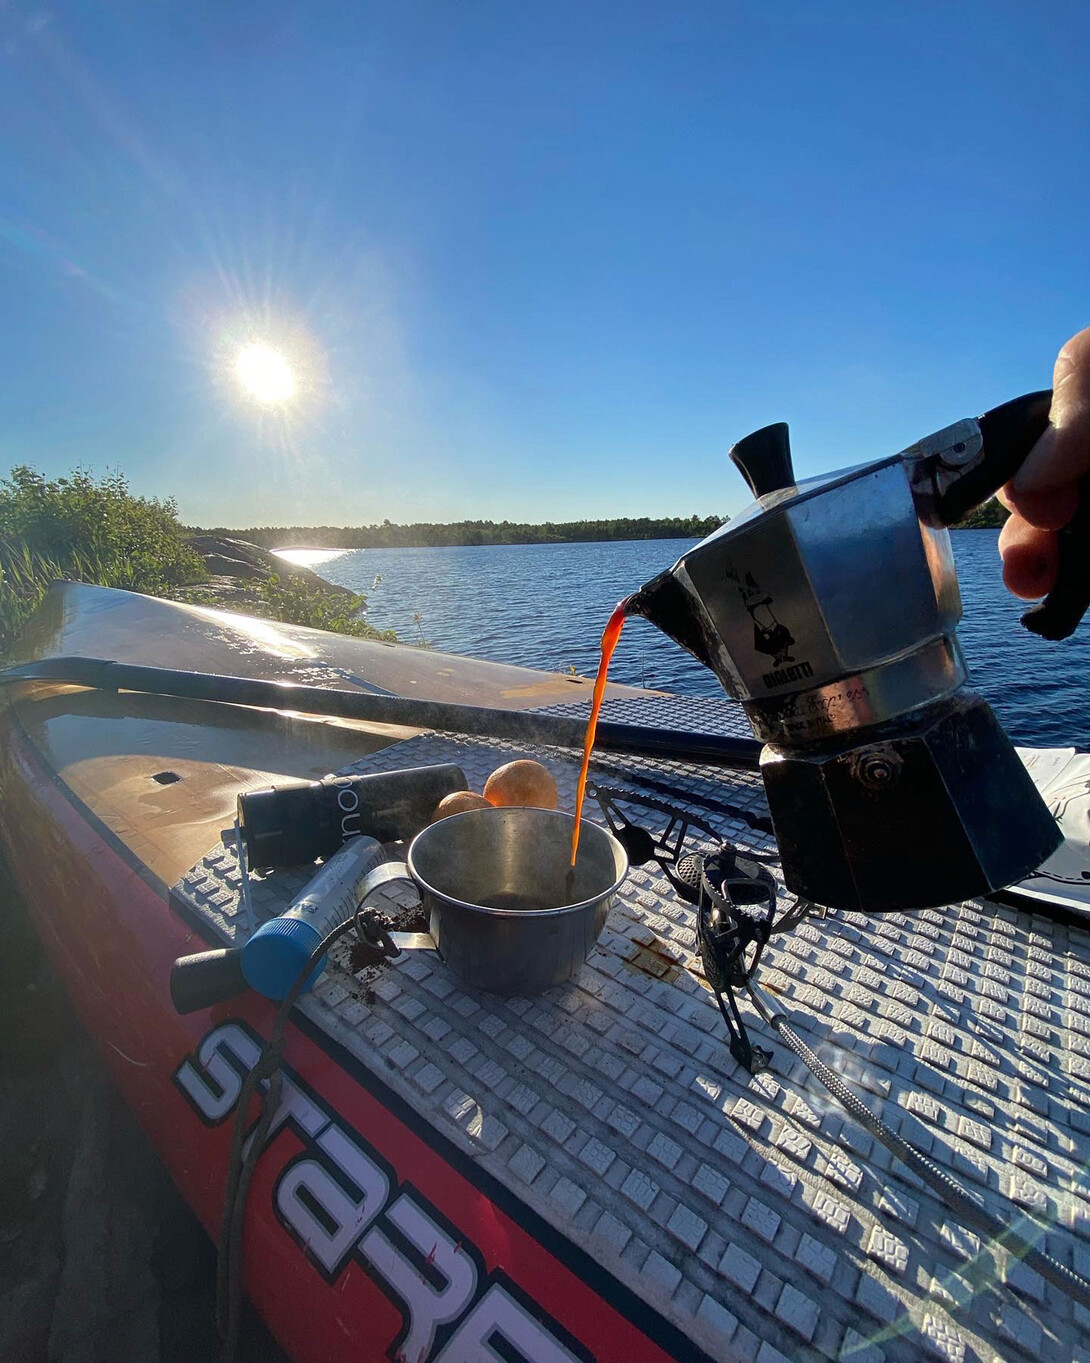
{"type": "Point", "coordinates": [295, 602]}
{"type": "Point", "coordinates": [986, 516]}
{"type": "Point", "coordinates": [89, 530]}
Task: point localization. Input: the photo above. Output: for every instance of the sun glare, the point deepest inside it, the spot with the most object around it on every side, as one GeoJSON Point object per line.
{"type": "Point", "coordinates": [265, 374]}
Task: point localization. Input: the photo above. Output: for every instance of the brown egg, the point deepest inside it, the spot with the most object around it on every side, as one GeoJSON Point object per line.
{"type": "Point", "coordinates": [522, 783]}
{"type": "Point", "coordinates": [457, 803]}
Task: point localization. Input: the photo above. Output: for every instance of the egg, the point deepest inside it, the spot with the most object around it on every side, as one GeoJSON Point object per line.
{"type": "Point", "coordinates": [457, 803]}
{"type": "Point", "coordinates": [522, 783]}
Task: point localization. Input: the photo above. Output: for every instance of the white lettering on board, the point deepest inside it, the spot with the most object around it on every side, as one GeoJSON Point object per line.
{"type": "Point", "coordinates": [339, 1197]}
{"type": "Point", "coordinates": [226, 1055]}
{"type": "Point", "coordinates": [349, 1204]}
{"type": "Point", "coordinates": [498, 1316]}
{"type": "Point", "coordinates": [427, 1307]}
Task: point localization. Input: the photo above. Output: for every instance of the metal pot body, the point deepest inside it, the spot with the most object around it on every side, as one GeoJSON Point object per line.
{"type": "Point", "coordinates": [494, 883]}
{"type": "Point", "coordinates": [830, 608]}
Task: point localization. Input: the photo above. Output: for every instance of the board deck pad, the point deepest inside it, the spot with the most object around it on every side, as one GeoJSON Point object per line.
{"type": "Point", "coordinates": [696, 714]}
{"type": "Point", "coordinates": [752, 1212]}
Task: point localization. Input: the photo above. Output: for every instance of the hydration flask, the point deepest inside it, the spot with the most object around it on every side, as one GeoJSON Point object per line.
{"type": "Point", "coordinates": [271, 960]}
{"type": "Point", "coordinates": [280, 948]}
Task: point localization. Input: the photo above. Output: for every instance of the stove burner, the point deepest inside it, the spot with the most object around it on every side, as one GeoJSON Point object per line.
{"type": "Point", "coordinates": [734, 923]}
{"type": "Point", "coordinates": [666, 848]}
{"type": "Point", "coordinates": [735, 893]}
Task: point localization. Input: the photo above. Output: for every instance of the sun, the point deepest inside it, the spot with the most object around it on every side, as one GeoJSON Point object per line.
{"type": "Point", "coordinates": [265, 374]}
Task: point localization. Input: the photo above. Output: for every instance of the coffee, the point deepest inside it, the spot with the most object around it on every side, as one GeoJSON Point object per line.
{"type": "Point", "coordinates": [610, 637]}
{"type": "Point", "coordinates": [492, 885]}
{"type": "Point", "coordinates": [515, 899]}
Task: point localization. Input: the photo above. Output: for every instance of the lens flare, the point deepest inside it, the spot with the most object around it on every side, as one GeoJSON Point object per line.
{"type": "Point", "coordinates": [265, 374]}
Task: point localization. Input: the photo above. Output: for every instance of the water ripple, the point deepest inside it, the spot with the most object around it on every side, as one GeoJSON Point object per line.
{"type": "Point", "coordinates": [545, 605]}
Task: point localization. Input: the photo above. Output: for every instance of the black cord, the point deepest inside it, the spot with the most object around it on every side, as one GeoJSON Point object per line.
{"type": "Point", "coordinates": [953, 1195]}
{"type": "Point", "coordinates": [240, 1171]}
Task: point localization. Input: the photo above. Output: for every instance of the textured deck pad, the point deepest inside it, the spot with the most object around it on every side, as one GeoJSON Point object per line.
{"type": "Point", "coordinates": [699, 714]}
{"type": "Point", "coordinates": [752, 1212]}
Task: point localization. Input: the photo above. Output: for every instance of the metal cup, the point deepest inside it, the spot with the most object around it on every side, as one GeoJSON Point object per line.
{"type": "Point", "coordinates": [504, 910]}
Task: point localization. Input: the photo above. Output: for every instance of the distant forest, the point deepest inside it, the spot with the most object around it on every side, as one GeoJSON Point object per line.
{"type": "Point", "coordinates": [423, 534]}
{"type": "Point", "coordinates": [991, 514]}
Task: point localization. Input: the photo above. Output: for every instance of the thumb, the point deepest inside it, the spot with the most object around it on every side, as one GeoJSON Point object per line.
{"type": "Point", "coordinates": [1044, 489]}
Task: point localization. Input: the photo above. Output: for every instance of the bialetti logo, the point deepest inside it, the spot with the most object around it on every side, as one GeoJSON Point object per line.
{"type": "Point", "coordinates": [770, 635]}
{"type": "Point", "coordinates": [341, 1202]}
{"type": "Point", "coordinates": [783, 675]}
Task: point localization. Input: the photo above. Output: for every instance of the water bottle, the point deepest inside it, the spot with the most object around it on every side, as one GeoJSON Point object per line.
{"type": "Point", "coordinates": [280, 948]}
{"type": "Point", "coordinates": [289, 825]}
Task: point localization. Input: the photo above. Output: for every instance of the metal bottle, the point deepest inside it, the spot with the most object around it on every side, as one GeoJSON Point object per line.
{"type": "Point", "coordinates": [290, 825]}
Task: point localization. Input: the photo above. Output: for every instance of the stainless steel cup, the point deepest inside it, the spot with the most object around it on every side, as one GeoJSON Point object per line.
{"type": "Point", "coordinates": [502, 911]}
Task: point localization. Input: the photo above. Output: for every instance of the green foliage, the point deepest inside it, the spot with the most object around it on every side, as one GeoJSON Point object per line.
{"type": "Point", "coordinates": [993, 513]}
{"type": "Point", "coordinates": [81, 518]}
{"type": "Point", "coordinates": [23, 580]}
{"type": "Point", "coordinates": [422, 533]}
{"type": "Point", "coordinates": [88, 530]}
{"type": "Point", "coordinates": [295, 602]}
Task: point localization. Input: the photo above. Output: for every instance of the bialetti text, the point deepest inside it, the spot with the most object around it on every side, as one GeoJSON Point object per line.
{"type": "Point", "coordinates": [781, 676]}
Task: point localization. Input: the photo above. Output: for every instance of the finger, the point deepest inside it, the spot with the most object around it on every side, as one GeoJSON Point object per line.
{"type": "Point", "coordinates": [1062, 455]}
{"type": "Point", "coordinates": [1049, 508]}
{"type": "Point", "coordinates": [1031, 558]}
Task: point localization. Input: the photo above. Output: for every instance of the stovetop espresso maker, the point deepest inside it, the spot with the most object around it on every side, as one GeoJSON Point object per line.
{"type": "Point", "coordinates": [829, 609]}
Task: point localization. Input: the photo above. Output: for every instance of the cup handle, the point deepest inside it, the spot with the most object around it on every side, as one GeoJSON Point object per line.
{"type": "Point", "coordinates": [386, 874]}
{"type": "Point", "coordinates": [383, 874]}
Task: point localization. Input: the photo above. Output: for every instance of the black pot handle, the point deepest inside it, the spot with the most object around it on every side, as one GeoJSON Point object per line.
{"type": "Point", "coordinates": [1009, 433]}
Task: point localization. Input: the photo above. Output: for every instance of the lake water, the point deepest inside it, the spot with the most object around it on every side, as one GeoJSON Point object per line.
{"type": "Point", "coordinates": [545, 605]}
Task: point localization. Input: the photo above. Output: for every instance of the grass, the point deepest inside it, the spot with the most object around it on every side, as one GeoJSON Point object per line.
{"type": "Point", "coordinates": [292, 601]}
{"type": "Point", "coordinates": [296, 602]}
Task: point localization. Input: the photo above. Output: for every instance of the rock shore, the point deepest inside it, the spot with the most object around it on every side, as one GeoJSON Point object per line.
{"type": "Point", "coordinates": [239, 559]}
{"type": "Point", "coordinates": [236, 569]}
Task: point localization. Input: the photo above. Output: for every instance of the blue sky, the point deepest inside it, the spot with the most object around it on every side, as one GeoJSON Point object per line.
{"type": "Point", "coordinates": [539, 260]}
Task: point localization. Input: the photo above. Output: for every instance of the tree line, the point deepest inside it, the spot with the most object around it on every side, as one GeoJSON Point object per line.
{"type": "Point", "coordinates": [993, 513]}
{"type": "Point", "coordinates": [425, 534]}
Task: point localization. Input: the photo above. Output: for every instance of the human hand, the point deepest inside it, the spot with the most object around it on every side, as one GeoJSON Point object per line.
{"type": "Point", "coordinates": [1043, 496]}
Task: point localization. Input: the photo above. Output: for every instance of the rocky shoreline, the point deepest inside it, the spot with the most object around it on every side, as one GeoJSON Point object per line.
{"type": "Point", "coordinates": [237, 567]}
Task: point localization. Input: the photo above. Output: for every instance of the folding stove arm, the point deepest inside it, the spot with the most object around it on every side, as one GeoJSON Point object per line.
{"type": "Point", "coordinates": [734, 922]}
{"type": "Point", "coordinates": [734, 895]}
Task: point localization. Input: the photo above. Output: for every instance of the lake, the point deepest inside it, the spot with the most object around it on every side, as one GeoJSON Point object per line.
{"type": "Point", "coordinates": [545, 605]}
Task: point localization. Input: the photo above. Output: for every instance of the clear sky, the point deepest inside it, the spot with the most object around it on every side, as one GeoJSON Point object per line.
{"type": "Point", "coordinates": [537, 260]}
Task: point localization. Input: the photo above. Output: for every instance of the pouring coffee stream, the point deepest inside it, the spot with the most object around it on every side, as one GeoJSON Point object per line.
{"type": "Point", "coordinates": [610, 638]}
